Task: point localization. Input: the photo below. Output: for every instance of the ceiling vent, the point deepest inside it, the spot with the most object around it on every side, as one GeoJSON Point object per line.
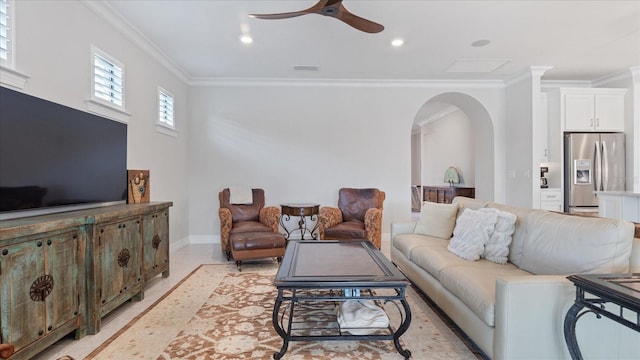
{"type": "Point", "coordinates": [306, 67]}
{"type": "Point", "coordinates": [475, 66]}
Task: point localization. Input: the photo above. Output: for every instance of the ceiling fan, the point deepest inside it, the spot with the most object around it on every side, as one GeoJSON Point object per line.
{"type": "Point", "coordinates": [332, 8]}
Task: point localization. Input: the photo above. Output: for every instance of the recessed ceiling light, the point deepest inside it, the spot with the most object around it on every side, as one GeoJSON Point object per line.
{"type": "Point", "coordinates": [397, 42]}
{"type": "Point", "coordinates": [246, 39]}
{"type": "Point", "coordinates": [480, 43]}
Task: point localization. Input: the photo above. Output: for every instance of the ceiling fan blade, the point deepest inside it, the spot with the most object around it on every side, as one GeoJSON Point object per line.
{"type": "Point", "coordinates": [357, 22]}
{"type": "Point", "coordinates": [279, 16]}
{"type": "Point", "coordinates": [312, 10]}
{"type": "Point", "coordinates": [331, 8]}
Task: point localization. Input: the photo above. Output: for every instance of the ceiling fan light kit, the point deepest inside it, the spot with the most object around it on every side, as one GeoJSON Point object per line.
{"type": "Point", "coordinates": [331, 8]}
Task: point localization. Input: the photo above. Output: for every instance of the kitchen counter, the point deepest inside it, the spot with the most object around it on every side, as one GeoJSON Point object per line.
{"type": "Point", "coordinates": [623, 205]}
{"type": "Point", "coordinates": [618, 193]}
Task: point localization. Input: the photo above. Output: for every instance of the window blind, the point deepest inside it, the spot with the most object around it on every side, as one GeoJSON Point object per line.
{"type": "Point", "coordinates": [4, 30]}
{"type": "Point", "coordinates": [166, 108]}
{"type": "Point", "coordinates": [108, 81]}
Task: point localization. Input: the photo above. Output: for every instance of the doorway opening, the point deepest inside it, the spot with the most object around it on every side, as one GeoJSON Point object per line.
{"type": "Point", "coordinates": [452, 130]}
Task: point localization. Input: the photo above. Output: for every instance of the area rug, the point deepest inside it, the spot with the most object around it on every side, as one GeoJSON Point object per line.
{"type": "Point", "coordinates": [219, 313]}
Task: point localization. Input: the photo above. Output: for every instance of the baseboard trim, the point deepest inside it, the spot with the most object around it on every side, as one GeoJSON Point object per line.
{"type": "Point", "coordinates": [204, 239]}
{"type": "Point", "coordinates": [177, 245]}
{"type": "Point", "coordinates": [212, 239]}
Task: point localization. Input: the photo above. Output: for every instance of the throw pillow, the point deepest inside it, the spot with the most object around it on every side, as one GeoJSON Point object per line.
{"type": "Point", "coordinates": [437, 220]}
{"type": "Point", "coordinates": [497, 247]}
{"type": "Point", "coordinates": [471, 232]}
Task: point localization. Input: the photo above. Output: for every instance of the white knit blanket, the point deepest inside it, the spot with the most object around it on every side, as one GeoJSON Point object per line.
{"type": "Point", "coordinates": [361, 317]}
{"type": "Point", "coordinates": [240, 195]}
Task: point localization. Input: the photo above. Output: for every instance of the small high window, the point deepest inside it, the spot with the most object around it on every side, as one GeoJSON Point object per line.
{"type": "Point", "coordinates": [108, 80]}
{"type": "Point", "coordinates": [6, 32]}
{"type": "Point", "coordinates": [166, 110]}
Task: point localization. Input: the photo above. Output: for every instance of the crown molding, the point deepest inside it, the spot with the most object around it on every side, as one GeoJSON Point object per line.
{"type": "Point", "coordinates": [107, 12]}
{"type": "Point", "coordinates": [532, 71]}
{"type": "Point", "coordinates": [399, 83]}
{"type": "Point", "coordinates": [546, 85]}
{"type": "Point", "coordinates": [620, 75]}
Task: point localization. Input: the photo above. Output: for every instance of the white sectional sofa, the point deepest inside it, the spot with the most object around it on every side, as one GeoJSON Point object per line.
{"type": "Point", "coordinates": [516, 310]}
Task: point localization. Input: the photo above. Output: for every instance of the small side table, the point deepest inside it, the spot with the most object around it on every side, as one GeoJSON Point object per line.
{"type": "Point", "coordinates": [302, 211]}
{"type": "Point", "coordinates": [620, 289]}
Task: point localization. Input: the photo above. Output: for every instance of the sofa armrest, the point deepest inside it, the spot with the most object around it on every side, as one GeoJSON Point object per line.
{"type": "Point", "coordinates": [401, 228]}
{"type": "Point", "coordinates": [530, 307]}
{"type": "Point", "coordinates": [225, 228]}
{"type": "Point", "coordinates": [634, 257]}
{"type": "Point", "coordinates": [534, 307]}
{"type": "Point", "coordinates": [270, 216]}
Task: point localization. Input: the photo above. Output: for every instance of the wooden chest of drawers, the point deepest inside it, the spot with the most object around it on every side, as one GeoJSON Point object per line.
{"type": "Point", "coordinates": [445, 194]}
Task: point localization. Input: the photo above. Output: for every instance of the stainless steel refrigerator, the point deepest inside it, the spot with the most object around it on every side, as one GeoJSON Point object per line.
{"type": "Point", "coordinates": [592, 162]}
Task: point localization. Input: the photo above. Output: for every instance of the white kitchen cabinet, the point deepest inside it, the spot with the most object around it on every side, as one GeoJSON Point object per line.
{"type": "Point", "coordinates": [543, 135]}
{"type": "Point", "coordinates": [551, 199]}
{"type": "Point", "coordinates": [619, 205]}
{"type": "Point", "coordinates": [591, 109]}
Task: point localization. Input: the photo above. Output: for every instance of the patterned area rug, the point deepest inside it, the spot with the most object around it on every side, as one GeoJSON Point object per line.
{"type": "Point", "coordinates": [218, 313]}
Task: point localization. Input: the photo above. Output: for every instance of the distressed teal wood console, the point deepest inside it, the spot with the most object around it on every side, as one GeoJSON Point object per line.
{"type": "Point", "coordinates": [63, 272]}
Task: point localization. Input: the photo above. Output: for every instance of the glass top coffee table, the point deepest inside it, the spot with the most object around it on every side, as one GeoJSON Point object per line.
{"type": "Point", "coordinates": [312, 280]}
{"type": "Point", "coordinates": [621, 290]}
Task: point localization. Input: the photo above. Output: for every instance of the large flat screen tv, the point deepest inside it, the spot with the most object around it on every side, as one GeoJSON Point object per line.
{"type": "Point", "coordinates": [54, 158]}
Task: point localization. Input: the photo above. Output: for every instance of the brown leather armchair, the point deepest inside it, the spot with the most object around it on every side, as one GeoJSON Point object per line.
{"type": "Point", "coordinates": [249, 231]}
{"type": "Point", "coordinates": [358, 216]}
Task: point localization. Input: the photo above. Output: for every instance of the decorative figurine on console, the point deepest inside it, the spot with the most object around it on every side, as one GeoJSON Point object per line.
{"type": "Point", "coordinates": [452, 176]}
{"type": "Point", "coordinates": [138, 186]}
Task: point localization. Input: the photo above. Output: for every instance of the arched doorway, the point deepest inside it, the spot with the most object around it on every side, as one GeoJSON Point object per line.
{"type": "Point", "coordinates": [477, 142]}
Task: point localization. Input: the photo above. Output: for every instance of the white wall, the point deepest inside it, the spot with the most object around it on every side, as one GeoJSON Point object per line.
{"type": "Point", "coordinates": [447, 142]}
{"type": "Point", "coordinates": [301, 142]}
{"type": "Point", "coordinates": [416, 149]}
{"type": "Point", "coordinates": [53, 47]}
{"type": "Point", "coordinates": [519, 142]}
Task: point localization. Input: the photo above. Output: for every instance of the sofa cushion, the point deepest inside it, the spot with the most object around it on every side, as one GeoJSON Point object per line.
{"type": "Point", "coordinates": [497, 247]}
{"type": "Point", "coordinates": [520, 232]}
{"type": "Point", "coordinates": [405, 243]}
{"type": "Point", "coordinates": [475, 285]}
{"type": "Point", "coordinates": [469, 203]}
{"type": "Point", "coordinates": [434, 256]}
{"type": "Point", "coordinates": [437, 220]}
{"type": "Point", "coordinates": [562, 245]}
{"type": "Point", "coordinates": [472, 231]}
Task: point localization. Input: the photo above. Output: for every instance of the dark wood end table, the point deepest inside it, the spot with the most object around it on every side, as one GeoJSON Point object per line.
{"type": "Point", "coordinates": [302, 211]}
{"type": "Point", "coordinates": [314, 273]}
{"type": "Point", "coordinates": [620, 289]}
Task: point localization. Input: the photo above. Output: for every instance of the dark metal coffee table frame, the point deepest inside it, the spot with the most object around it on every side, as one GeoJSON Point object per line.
{"type": "Point", "coordinates": [302, 294]}
{"type": "Point", "coordinates": [603, 289]}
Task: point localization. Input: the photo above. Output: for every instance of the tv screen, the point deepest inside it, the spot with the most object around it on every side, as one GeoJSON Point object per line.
{"type": "Point", "coordinates": [55, 158]}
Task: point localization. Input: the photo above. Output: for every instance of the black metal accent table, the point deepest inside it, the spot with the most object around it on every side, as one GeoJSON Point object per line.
{"type": "Point", "coordinates": [302, 211]}
{"type": "Point", "coordinates": [622, 290]}
{"type": "Point", "coordinates": [314, 273]}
